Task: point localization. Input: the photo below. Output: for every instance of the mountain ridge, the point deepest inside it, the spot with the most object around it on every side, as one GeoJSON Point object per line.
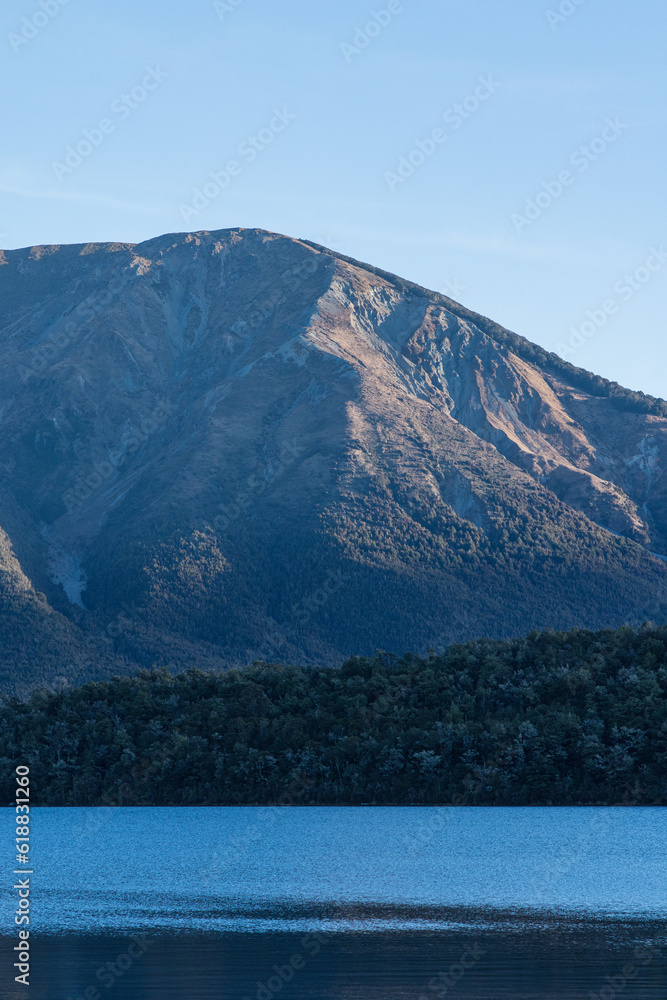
{"type": "Point", "coordinates": [235, 445]}
{"type": "Point", "coordinates": [645, 402]}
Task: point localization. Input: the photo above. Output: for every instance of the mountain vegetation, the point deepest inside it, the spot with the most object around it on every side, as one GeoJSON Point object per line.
{"type": "Point", "coordinates": [556, 718]}
{"type": "Point", "coordinates": [234, 446]}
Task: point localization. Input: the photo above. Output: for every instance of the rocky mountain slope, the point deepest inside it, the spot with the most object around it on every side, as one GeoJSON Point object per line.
{"type": "Point", "coordinates": [225, 446]}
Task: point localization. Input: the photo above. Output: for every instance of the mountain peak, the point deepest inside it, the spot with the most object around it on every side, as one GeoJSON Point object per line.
{"type": "Point", "coordinates": [234, 444]}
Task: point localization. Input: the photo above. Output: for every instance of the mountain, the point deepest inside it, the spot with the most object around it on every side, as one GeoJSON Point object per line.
{"type": "Point", "coordinates": [220, 447]}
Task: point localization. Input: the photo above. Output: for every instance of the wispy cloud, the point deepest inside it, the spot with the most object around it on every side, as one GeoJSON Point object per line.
{"type": "Point", "coordinates": [80, 197]}
{"type": "Point", "coordinates": [538, 86]}
{"type": "Point", "coordinates": [490, 244]}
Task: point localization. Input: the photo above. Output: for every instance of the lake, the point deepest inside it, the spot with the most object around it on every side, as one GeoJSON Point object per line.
{"type": "Point", "coordinates": [342, 903]}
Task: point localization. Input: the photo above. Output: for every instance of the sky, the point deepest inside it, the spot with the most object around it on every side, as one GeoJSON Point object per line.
{"type": "Point", "coordinates": [509, 153]}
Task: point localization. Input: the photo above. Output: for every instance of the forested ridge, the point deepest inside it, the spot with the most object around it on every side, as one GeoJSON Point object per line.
{"type": "Point", "coordinates": [555, 718]}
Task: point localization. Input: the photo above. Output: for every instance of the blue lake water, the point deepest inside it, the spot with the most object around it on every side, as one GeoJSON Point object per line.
{"type": "Point", "coordinates": [368, 902]}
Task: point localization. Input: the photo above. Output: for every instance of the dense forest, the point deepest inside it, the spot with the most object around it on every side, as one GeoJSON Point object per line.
{"type": "Point", "coordinates": [554, 718]}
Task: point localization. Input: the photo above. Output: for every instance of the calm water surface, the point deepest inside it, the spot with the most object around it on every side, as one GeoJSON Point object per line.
{"type": "Point", "coordinates": [328, 904]}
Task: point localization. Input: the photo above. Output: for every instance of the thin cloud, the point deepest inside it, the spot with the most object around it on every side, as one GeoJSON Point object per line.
{"type": "Point", "coordinates": [82, 198]}
{"type": "Point", "coordinates": [499, 245]}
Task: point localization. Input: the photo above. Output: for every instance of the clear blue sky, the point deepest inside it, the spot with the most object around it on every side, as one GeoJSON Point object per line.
{"type": "Point", "coordinates": [326, 166]}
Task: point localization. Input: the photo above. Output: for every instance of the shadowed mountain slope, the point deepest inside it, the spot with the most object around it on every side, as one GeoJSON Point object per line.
{"type": "Point", "coordinates": [225, 446]}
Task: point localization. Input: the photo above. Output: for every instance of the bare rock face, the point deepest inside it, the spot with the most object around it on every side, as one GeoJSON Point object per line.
{"type": "Point", "coordinates": [219, 447]}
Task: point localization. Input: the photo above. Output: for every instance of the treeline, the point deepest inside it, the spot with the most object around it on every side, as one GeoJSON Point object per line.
{"type": "Point", "coordinates": [557, 718]}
